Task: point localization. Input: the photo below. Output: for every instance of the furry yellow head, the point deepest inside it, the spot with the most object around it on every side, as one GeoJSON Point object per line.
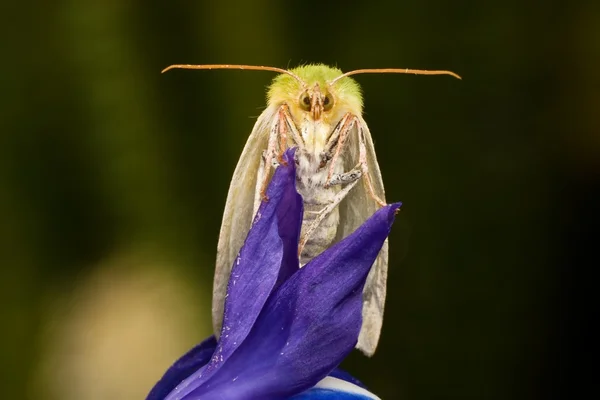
{"type": "Point", "coordinates": [316, 95]}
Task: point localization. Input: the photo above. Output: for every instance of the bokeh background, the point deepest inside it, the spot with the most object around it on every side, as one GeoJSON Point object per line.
{"type": "Point", "coordinates": [113, 178]}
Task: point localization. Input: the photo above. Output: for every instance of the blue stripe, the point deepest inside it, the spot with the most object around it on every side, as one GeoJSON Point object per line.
{"type": "Point", "coordinates": [345, 376]}
{"type": "Point", "coordinates": [327, 394]}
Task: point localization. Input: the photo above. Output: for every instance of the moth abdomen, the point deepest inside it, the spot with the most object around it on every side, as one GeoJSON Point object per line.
{"type": "Point", "coordinates": [320, 238]}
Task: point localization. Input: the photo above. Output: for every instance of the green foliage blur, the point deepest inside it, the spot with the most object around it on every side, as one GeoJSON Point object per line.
{"type": "Point", "coordinates": [113, 178]}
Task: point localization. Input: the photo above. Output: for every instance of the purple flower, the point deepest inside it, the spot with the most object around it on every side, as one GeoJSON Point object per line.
{"type": "Point", "coordinates": [285, 329]}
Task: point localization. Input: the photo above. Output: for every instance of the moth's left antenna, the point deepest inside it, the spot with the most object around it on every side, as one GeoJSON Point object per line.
{"type": "Point", "coordinates": [234, 66]}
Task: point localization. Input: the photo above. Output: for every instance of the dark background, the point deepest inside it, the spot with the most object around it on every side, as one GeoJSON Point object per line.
{"type": "Point", "coordinates": [113, 178]}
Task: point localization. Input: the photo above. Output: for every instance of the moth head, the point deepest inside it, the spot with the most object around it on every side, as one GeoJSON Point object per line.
{"type": "Point", "coordinates": [316, 101]}
{"type": "Point", "coordinates": [312, 97]}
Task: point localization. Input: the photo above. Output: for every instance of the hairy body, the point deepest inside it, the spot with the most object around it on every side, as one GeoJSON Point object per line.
{"type": "Point", "coordinates": [311, 184]}
{"type": "Point", "coordinates": [334, 154]}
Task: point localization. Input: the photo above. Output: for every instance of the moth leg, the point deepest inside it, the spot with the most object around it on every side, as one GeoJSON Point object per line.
{"type": "Point", "coordinates": [321, 215]}
{"type": "Point", "coordinates": [258, 195]}
{"type": "Point", "coordinates": [278, 138]}
{"type": "Point", "coordinates": [289, 122]}
{"type": "Point", "coordinates": [338, 139]}
{"type": "Point", "coordinates": [332, 141]}
{"type": "Point", "coordinates": [282, 135]}
{"type": "Point", "coordinates": [263, 169]}
{"type": "Point", "coordinates": [268, 157]}
{"type": "Point", "coordinates": [362, 160]}
{"type": "Point", "coordinates": [347, 177]}
{"type": "Point", "coordinates": [274, 163]}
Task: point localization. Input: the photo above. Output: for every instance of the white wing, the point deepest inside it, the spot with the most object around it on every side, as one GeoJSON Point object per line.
{"type": "Point", "coordinates": [239, 210]}
{"type": "Point", "coordinates": [356, 208]}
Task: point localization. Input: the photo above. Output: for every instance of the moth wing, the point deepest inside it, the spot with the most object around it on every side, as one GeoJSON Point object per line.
{"type": "Point", "coordinates": [355, 209]}
{"type": "Point", "coordinates": [239, 212]}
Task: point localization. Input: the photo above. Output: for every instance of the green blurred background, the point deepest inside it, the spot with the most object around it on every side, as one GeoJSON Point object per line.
{"type": "Point", "coordinates": [113, 178]}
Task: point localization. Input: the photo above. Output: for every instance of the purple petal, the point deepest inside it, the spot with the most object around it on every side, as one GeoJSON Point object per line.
{"type": "Point", "coordinates": [289, 219]}
{"type": "Point", "coordinates": [268, 257]}
{"type": "Point", "coordinates": [308, 325]}
{"type": "Point", "coordinates": [194, 359]}
{"type": "Point", "coordinates": [264, 260]}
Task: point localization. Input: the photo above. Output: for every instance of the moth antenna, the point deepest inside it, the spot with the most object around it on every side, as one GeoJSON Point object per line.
{"type": "Point", "coordinates": [394, 71]}
{"type": "Point", "coordinates": [228, 66]}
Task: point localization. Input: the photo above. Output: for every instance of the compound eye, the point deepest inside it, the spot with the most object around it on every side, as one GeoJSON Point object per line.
{"type": "Point", "coordinates": [327, 102]}
{"type": "Point", "coordinates": [305, 102]}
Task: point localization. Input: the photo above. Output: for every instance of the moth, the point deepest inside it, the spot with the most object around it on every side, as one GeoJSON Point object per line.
{"type": "Point", "coordinates": [317, 109]}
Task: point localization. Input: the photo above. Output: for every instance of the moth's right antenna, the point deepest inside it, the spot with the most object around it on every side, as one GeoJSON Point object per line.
{"type": "Point", "coordinates": [394, 71]}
